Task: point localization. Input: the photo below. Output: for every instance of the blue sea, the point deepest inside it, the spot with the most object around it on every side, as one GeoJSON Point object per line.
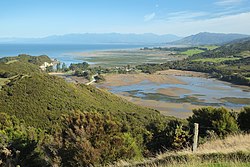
{"type": "Point", "coordinates": [61, 52]}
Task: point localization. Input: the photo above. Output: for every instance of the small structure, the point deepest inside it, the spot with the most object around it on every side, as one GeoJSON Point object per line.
{"type": "Point", "coordinates": [45, 65]}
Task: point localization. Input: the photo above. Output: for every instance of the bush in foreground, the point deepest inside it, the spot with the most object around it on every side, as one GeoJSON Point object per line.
{"type": "Point", "coordinates": [244, 119]}
{"type": "Point", "coordinates": [219, 120]}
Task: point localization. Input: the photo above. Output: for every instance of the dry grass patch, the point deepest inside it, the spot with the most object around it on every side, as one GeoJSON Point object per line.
{"type": "Point", "coordinates": [232, 151]}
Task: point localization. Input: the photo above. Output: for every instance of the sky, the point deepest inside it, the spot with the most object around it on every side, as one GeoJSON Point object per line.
{"type": "Point", "coordinates": [40, 18]}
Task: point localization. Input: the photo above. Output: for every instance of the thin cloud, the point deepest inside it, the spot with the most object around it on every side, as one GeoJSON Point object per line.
{"type": "Point", "coordinates": [149, 17]}
{"type": "Point", "coordinates": [228, 2]}
{"type": "Point", "coordinates": [237, 23]}
{"type": "Point", "coordinates": [185, 16]}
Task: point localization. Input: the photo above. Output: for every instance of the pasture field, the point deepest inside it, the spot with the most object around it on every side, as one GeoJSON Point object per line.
{"type": "Point", "coordinates": [216, 60]}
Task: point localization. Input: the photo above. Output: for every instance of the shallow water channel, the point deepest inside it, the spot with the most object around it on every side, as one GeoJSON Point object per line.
{"type": "Point", "coordinates": [195, 90]}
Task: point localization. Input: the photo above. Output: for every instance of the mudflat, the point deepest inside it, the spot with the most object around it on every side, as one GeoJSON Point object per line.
{"type": "Point", "coordinates": [114, 58]}
{"type": "Point", "coordinates": [181, 110]}
{"type": "Point", "coordinates": [129, 79]}
{"type": "Point", "coordinates": [175, 92]}
{"type": "Point", "coordinates": [182, 73]}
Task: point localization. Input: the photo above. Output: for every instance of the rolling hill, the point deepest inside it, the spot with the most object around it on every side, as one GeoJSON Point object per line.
{"type": "Point", "coordinates": [43, 116]}
{"type": "Point", "coordinates": [206, 38]}
{"type": "Point", "coordinates": [40, 99]}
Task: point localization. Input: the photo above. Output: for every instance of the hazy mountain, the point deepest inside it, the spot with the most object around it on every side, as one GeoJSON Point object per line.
{"type": "Point", "coordinates": [90, 38]}
{"type": "Point", "coordinates": [206, 38]}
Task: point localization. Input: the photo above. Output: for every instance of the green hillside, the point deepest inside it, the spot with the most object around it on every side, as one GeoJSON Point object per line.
{"type": "Point", "coordinates": [49, 120]}
{"type": "Point", "coordinates": [230, 62]}
{"type": "Point", "coordinates": [233, 49]}
{"type": "Point", "coordinates": [40, 99]}
{"type": "Point", "coordinates": [45, 121]}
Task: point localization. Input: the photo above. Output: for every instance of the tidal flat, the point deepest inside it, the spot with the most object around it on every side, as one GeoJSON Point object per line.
{"type": "Point", "coordinates": [175, 92]}
{"type": "Point", "coordinates": [114, 58]}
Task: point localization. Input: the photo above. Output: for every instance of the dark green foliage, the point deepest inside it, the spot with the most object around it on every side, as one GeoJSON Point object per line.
{"type": "Point", "coordinates": [174, 136]}
{"type": "Point", "coordinates": [64, 67]}
{"type": "Point", "coordinates": [244, 119]}
{"type": "Point", "coordinates": [92, 138]}
{"type": "Point", "coordinates": [99, 78]}
{"type": "Point", "coordinates": [7, 74]}
{"type": "Point", "coordinates": [49, 69]}
{"type": "Point", "coordinates": [19, 144]}
{"type": "Point", "coordinates": [58, 66]}
{"type": "Point", "coordinates": [219, 120]}
{"type": "Point", "coordinates": [80, 66]}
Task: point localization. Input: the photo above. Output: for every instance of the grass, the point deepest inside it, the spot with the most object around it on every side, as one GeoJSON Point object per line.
{"type": "Point", "coordinates": [216, 60]}
{"type": "Point", "coordinates": [191, 52]}
{"type": "Point", "coordinates": [12, 61]}
{"type": "Point", "coordinates": [245, 53]}
{"type": "Point", "coordinates": [231, 151]}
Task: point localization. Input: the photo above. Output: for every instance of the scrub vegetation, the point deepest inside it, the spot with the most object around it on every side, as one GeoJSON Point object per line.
{"type": "Point", "coordinates": [45, 121]}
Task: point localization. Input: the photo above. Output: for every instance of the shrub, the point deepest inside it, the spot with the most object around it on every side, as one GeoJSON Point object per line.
{"type": "Point", "coordinates": [220, 120]}
{"type": "Point", "coordinates": [92, 138]}
{"type": "Point", "coordinates": [174, 136]}
{"type": "Point", "coordinates": [244, 119]}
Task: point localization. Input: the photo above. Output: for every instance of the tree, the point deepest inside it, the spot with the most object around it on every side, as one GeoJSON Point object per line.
{"type": "Point", "coordinates": [49, 69]}
{"type": "Point", "coordinates": [80, 66]}
{"type": "Point", "coordinates": [58, 66]}
{"type": "Point", "coordinates": [64, 67]}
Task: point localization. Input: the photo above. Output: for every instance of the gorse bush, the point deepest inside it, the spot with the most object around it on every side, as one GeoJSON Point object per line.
{"type": "Point", "coordinates": [219, 120]}
{"type": "Point", "coordinates": [174, 136]}
{"type": "Point", "coordinates": [244, 119]}
{"type": "Point", "coordinates": [91, 138]}
{"type": "Point", "coordinates": [20, 145]}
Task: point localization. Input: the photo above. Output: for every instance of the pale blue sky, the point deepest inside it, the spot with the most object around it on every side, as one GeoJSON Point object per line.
{"type": "Point", "coordinates": [39, 18]}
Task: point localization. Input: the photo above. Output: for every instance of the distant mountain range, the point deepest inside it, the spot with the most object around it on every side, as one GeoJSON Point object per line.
{"type": "Point", "coordinates": [89, 38]}
{"type": "Point", "coordinates": [206, 38]}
